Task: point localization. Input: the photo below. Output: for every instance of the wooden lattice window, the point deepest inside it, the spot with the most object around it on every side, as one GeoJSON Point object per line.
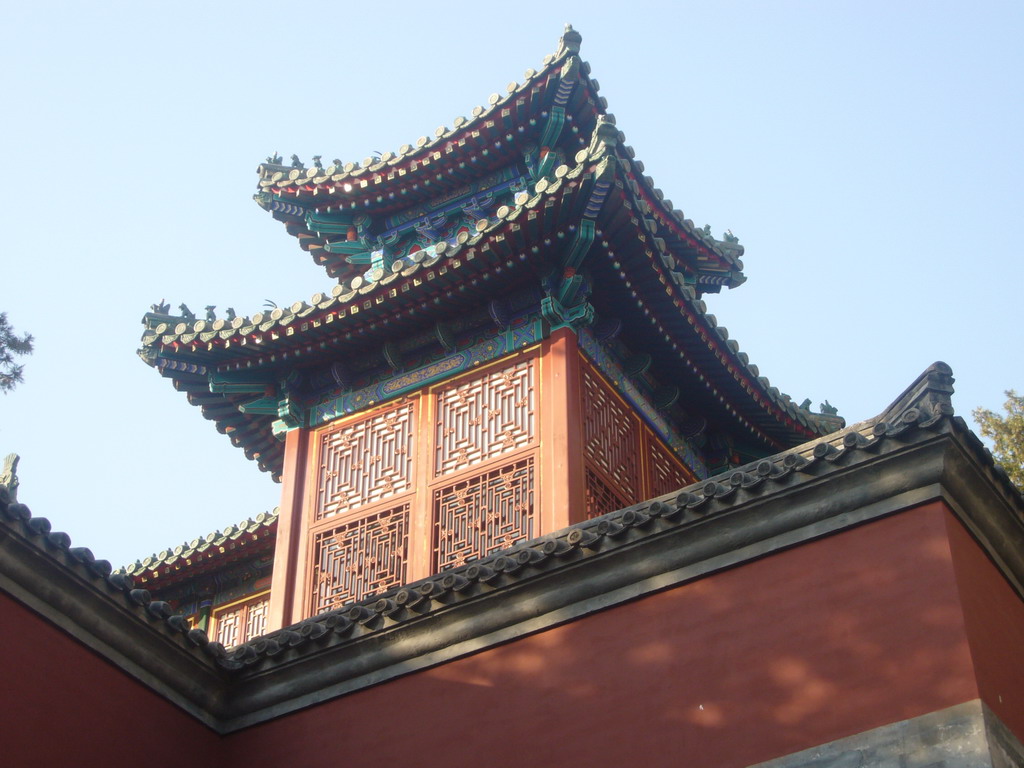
{"type": "Point", "coordinates": [485, 443]}
{"type": "Point", "coordinates": [611, 436]}
{"type": "Point", "coordinates": [665, 472]}
{"type": "Point", "coordinates": [365, 461]}
{"type": "Point", "coordinates": [625, 461]}
{"type": "Point", "coordinates": [359, 558]}
{"type": "Point", "coordinates": [483, 514]}
{"type": "Point", "coordinates": [600, 499]}
{"type": "Point", "coordinates": [241, 622]}
{"type": "Point", "coordinates": [478, 435]}
{"type": "Point", "coordinates": [484, 418]}
{"type": "Point", "coordinates": [358, 541]}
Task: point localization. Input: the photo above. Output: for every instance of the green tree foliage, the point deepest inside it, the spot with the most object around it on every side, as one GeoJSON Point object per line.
{"type": "Point", "coordinates": [11, 345]}
{"type": "Point", "coordinates": [1007, 435]}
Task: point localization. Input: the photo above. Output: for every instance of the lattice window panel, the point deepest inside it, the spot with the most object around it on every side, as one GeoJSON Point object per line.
{"type": "Point", "coordinates": [483, 514]}
{"type": "Point", "coordinates": [600, 499]}
{"type": "Point", "coordinates": [360, 558]}
{"type": "Point", "coordinates": [666, 475]}
{"type": "Point", "coordinates": [229, 627]}
{"type": "Point", "coordinates": [610, 435]}
{"type": "Point", "coordinates": [241, 623]}
{"type": "Point", "coordinates": [256, 621]}
{"type": "Point", "coordinates": [485, 417]}
{"type": "Point", "coordinates": [365, 461]}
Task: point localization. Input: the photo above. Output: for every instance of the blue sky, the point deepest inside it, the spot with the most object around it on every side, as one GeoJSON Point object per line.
{"type": "Point", "coordinates": [868, 155]}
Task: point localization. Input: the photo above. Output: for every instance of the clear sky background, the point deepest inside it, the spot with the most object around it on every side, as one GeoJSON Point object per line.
{"type": "Point", "coordinates": [867, 154]}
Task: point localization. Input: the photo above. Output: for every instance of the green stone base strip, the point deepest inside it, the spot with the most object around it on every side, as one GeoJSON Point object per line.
{"type": "Point", "coordinates": [965, 736]}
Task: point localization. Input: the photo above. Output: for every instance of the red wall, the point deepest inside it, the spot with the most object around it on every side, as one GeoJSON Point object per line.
{"type": "Point", "coordinates": [995, 628]}
{"type": "Point", "coordinates": [62, 705]}
{"type": "Point", "coordinates": [822, 641]}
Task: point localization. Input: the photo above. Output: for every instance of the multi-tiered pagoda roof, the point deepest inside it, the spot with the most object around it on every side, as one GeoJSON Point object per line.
{"type": "Point", "coordinates": [531, 214]}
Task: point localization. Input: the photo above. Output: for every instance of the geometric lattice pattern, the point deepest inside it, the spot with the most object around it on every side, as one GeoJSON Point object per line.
{"type": "Point", "coordinates": [360, 558]}
{"type": "Point", "coordinates": [483, 514]}
{"type": "Point", "coordinates": [242, 622]}
{"type": "Point", "coordinates": [485, 417]}
{"type": "Point", "coordinates": [365, 461]}
{"type": "Point", "coordinates": [600, 499]}
{"type": "Point", "coordinates": [610, 437]}
{"type": "Point", "coordinates": [229, 627]}
{"type": "Point", "coordinates": [666, 475]}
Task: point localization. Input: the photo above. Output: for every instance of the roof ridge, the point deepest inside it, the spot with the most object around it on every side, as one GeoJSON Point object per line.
{"type": "Point", "coordinates": [55, 547]}
{"type": "Point", "coordinates": [214, 538]}
{"type": "Point", "coordinates": [272, 172]}
{"type": "Point", "coordinates": [933, 388]}
{"type": "Point", "coordinates": [601, 156]}
{"type": "Point", "coordinates": [343, 300]}
{"type": "Point", "coordinates": [158, 324]}
{"type": "Point", "coordinates": [730, 251]}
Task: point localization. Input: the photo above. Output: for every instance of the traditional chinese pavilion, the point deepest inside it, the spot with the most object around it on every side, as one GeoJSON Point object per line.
{"type": "Point", "coordinates": [516, 342]}
{"type": "Point", "coordinates": [536, 503]}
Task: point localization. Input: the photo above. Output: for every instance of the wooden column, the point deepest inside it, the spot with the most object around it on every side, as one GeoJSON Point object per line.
{"type": "Point", "coordinates": [420, 513]}
{"type": "Point", "coordinates": [290, 547]}
{"type": "Point", "coordinates": [561, 482]}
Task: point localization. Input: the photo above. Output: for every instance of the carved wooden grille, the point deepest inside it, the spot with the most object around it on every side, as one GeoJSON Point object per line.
{"type": "Point", "coordinates": [256, 621]}
{"type": "Point", "coordinates": [241, 623]}
{"type": "Point", "coordinates": [485, 417]}
{"type": "Point", "coordinates": [365, 461]}
{"type": "Point", "coordinates": [666, 475]}
{"type": "Point", "coordinates": [600, 499]}
{"type": "Point", "coordinates": [483, 514]}
{"type": "Point", "coordinates": [611, 439]}
{"type": "Point", "coordinates": [229, 627]}
{"type": "Point", "coordinates": [360, 558]}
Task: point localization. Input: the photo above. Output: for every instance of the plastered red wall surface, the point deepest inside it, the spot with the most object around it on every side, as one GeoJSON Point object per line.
{"type": "Point", "coordinates": [822, 641]}
{"type": "Point", "coordinates": [995, 628]}
{"type": "Point", "coordinates": [61, 705]}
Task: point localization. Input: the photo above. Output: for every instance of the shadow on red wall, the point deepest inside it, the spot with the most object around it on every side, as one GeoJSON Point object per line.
{"type": "Point", "coordinates": [821, 641]}
{"type": "Point", "coordinates": [799, 648]}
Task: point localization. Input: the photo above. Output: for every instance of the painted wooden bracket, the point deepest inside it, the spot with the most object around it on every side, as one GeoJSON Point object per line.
{"type": "Point", "coordinates": [572, 289]}
{"type": "Point", "coordinates": [261, 406]}
{"type": "Point", "coordinates": [559, 316]}
{"type": "Point", "coordinates": [357, 240]}
{"type": "Point", "coordinates": [242, 383]}
{"type": "Point", "coordinates": [329, 223]}
{"type": "Point", "coordinates": [292, 416]}
{"type": "Point", "coordinates": [431, 226]}
{"type": "Point", "coordinates": [580, 245]}
{"type": "Point", "coordinates": [290, 412]}
{"type": "Point", "coordinates": [530, 159]}
{"type": "Point", "coordinates": [568, 79]}
{"type": "Point", "coordinates": [552, 129]}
